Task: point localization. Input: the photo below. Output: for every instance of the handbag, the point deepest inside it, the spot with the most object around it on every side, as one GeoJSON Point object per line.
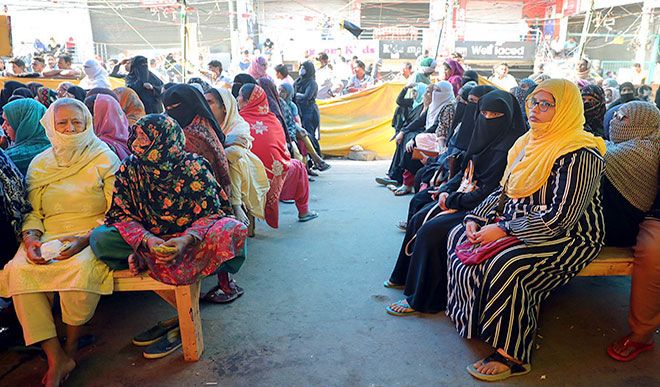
{"type": "Point", "coordinates": [471, 254]}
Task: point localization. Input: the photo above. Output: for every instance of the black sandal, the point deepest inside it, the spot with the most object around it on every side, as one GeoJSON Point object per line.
{"type": "Point", "coordinates": [515, 369]}
{"type": "Point", "coordinates": [218, 296]}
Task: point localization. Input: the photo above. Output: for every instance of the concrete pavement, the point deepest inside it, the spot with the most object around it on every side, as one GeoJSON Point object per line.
{"type": "Point", "coordinates": [313, 313]}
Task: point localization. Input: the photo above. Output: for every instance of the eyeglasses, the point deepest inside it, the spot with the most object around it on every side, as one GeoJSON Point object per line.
{"type": "Point", "coordinates": [543, 106]}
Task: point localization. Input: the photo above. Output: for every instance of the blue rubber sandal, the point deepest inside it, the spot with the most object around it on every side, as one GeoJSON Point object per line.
{"type": "Point", "coordinates": [406, 312]}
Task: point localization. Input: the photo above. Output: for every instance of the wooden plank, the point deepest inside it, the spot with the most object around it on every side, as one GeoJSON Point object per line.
{"type": "Point", "coordinates": [139, 283]}
{"type": "Point", "coordinates": [190, 320]}
{"type": "Point", "coordinates": [612, 261]}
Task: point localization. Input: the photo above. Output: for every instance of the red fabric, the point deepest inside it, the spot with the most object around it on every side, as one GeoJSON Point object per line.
{"type": "Point", "coordinates": [471, 254]}
{"type": "Point", "coordinates": [408, 178]}
{"type": "Point", "coordinates": [220, 239]}
{"type": "Point", "coordinates": [270, 146]}
{"type": "Point", "coordinates": [296, 186]}
{"type": "Point", "coordinates": [111, 124]}
{"type": "Point", "coordinates": [272, 210]}
{"type": "Point", "coordinates": [269, 140]}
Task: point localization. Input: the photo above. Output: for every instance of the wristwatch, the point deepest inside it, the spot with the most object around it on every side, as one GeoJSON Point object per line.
{"type": "Point", "coordinates": [504, 226]}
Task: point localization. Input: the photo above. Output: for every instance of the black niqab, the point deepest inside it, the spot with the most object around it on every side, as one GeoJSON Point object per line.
{"type": "Point", "coordinates": [496, 134]}
{"type": "Point", "coordinates": [305, 79]}
{"type": "Point", "coordinates": [239, 81]}
{"type": "Point", "coordinates": [464, 134]}
{"type": "Point", "coordinates": [191, 104]}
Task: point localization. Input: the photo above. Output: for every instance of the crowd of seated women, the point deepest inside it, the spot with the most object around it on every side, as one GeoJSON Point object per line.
{"type": "Point", "coordinates": [522, 190]}
{"type": "Point", "coordinates": [161, 179]}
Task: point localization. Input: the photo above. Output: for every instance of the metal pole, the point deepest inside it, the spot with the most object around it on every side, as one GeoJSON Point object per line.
{"type": "Point", "coordinates": [643, 34]}
{"type": "Point", "coordinates": [442, 29]}
{"type": "Point", "coordinates": [585, 30]}
{"type": "Point", "coordinates": [184, 39]}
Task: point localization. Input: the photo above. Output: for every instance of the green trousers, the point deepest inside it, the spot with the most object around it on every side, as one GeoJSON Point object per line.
{"type": "Point", "coordinates": [108, 246]}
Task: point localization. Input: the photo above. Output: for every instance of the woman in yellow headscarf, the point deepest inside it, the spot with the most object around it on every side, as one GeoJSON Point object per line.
{"type": "Point", "coordinates": [542, 226]}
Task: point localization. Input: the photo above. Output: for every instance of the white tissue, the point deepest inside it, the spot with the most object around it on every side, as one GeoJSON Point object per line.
{"type": "Point", "coordinates": [51, 249]}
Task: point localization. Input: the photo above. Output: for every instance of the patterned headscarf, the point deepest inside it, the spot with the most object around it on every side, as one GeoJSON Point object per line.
{"type": "Point", "coordinates": [594, 111]}
{"type": "Point", "coordinates": [130, 103]}
{"type": "Point", "coordinates": [633, 155]}
{"type": "Point", "coordinates": [258, 67]}
{"type": "Point", "coordinates": [160, 185]}
{"type": "Point", "coordinates": [13, 203]}
{"type": "Point", "coordinates": [46, 96]}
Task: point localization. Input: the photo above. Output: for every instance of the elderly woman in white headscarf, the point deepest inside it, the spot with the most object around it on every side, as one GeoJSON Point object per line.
{"type": "Point", "coordinates": [249, 183]}
{"type": "Point", "coordinates": [70, 188]}
{"type": "Point", "coordinates": [438, 118]}
{"type": "Point", "coordinates": [95, 76]}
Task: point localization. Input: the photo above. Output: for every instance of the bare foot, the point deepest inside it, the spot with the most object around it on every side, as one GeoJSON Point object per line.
{"type": "Point", "coordinates": [624, 350]}
{"type": "Point", "coordinates": [241, 216]}
{"type": "Point", "coordinates": [491, 368]}
{"type": "Point", "coordinates": [57, 373]}
{"type": "Point", "coordinates": [494, 367]}
{"type": "Point", "coordinates": [401, 306]}
{"type": "Point", "coordinates": [71, 349]}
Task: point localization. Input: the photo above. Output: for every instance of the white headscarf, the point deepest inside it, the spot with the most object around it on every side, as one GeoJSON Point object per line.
{"type": "Point", "coordinates": [443, 94]}
{"type": "Point", "coordinates": [70, 153]}
{"type": "Point", "coordinates": [96, 76]}
{"type": "Point", "coordinates": [234, 126]}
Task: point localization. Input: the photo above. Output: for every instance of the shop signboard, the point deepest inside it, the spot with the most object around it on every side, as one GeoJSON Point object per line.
{"type": "Point", "coordinates": [400, 49]}
{"type": "Point", "coordinates": [480, 50]}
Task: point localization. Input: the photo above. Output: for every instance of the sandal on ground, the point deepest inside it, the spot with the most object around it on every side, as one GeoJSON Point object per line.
{"type": "Point", "coordinates": [403, 304]}
{"type": "Point", "coordinates": [310, 215]}
{"type": "Point", "coordinates": [385, 181]}
{"type": "Point", "coordinates": [288, 201]}
{"type": "Point", "coordinates": [311, 172]}
{"type": "Point", "coordinates": [633, 348]}
{"type": "Point", "coordinates": [163, 347]}
{"type": "Point", "coordinates": [403, 190]}
{"type": "Point", "coordinates": [391, 285]}
{"type": "Point", "coordinates": [402, 225]}
{"type": "Point", "coordinates": [515, 369]}
{"type": "Point", "coordinates": [218, 296]}
{"type": "Point", "coordinates": [392, 187]}
{"type": "Point", "coordinates": [323, 166]}
{"type": "Point", "coordinates": [155, 333]}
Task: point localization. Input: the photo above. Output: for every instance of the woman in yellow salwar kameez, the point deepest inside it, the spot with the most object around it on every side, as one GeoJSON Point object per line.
{"type": "Point", "coordinates": [70, 188]}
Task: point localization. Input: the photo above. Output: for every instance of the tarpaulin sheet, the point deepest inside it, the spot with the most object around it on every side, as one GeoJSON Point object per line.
{"type": "Point", "coordinates": [363, 118]}
{"type": "Point", "coordinates": [53, 83]}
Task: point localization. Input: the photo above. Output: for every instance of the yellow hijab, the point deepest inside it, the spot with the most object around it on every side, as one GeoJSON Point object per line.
{"type": "Point", "coordinates": [546, 142]}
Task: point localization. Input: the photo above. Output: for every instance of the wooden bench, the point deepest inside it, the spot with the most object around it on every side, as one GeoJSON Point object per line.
{"type": "Point", "coordinates": [610, 262]}
{"type": "Point", "coordinates": [185, 299]}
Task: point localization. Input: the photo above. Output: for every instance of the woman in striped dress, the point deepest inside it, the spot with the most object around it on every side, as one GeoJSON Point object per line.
{"type": "Point", "coordinates": [550, 202]}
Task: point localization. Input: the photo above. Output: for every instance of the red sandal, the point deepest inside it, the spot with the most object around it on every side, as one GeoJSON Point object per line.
{"type": "Point", "coordinates": [628, 344]}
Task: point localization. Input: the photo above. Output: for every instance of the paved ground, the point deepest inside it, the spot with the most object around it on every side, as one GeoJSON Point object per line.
{"type": "Point", "coordinates": [313, 314]}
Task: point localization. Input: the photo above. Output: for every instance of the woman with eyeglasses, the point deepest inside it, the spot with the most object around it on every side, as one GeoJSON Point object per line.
{"type": "Point", "coordinates": [529, 237]}
{"type": "Point", "coordinates": [632, 217]}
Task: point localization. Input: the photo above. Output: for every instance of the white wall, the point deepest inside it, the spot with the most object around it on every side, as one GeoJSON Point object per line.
{"type": "Point", "coordinates": [42, 20]}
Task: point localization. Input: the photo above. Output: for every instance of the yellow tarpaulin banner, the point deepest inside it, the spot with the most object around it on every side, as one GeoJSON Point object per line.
{"type": "Point", "coordinates": [363, 118]}
{"type": "Point", "coordinates": [52, 83]}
